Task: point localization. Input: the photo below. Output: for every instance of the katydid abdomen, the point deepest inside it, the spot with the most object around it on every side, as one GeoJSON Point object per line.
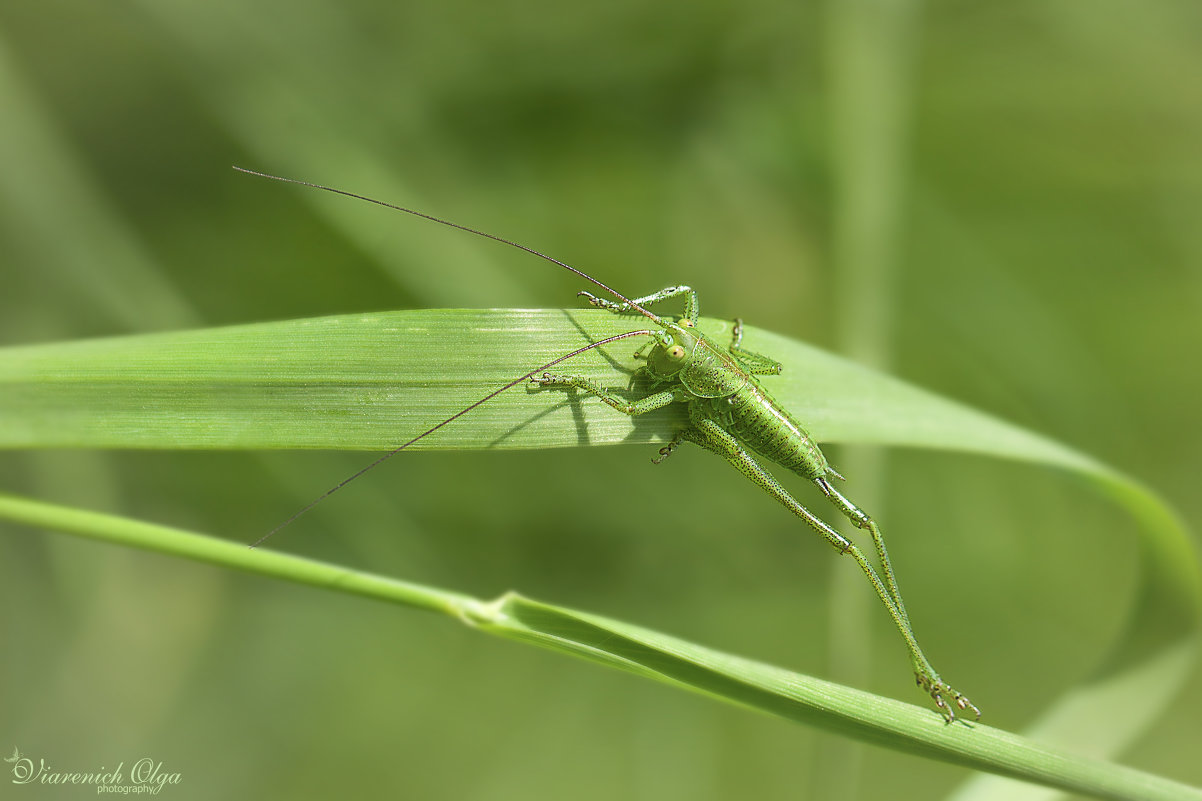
{"type": "Point", "coordinates": [757, 420]}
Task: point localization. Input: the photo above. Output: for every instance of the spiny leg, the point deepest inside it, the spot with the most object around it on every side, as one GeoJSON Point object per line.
{"type": "Point", "coordinates": [690, 303]}
{"type": "Point", "coordinates": [710, 435]}
{"type": "Point", "coordinates": [861, 520]}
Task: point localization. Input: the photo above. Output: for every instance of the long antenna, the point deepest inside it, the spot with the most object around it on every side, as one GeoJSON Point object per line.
{"type": "Point", "coordinates": [485, 234]}
{"type": "Point", "coordinates": [654, 318]}
{"type": "Point", "coordinates": [455, 416]}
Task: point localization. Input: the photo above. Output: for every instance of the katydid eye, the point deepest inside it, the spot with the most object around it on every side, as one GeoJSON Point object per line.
{"type": "Point", "coordinates": [676, 352]}
{"type": "Point", "coordinates": [686, 322]}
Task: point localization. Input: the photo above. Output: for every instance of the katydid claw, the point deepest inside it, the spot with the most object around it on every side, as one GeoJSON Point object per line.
{"type": "Point", "coordinates": [941, 692]}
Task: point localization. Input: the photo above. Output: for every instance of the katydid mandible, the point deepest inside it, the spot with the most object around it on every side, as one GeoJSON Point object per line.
{"type": "Point", "coordinates": [729, 412]}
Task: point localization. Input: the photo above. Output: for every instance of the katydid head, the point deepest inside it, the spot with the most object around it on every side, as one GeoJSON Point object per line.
{"type": "Point", "coordinates": [673, 349]}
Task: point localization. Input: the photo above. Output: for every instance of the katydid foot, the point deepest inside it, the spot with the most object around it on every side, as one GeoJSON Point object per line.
{"type": "Point", "coordinates": [668, 449]}
{"type": "Point", "coordinates": [944, 696]}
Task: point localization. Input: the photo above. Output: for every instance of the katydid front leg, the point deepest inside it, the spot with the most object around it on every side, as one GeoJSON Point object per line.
{"type": "Point", "coordinates": [647, 404]}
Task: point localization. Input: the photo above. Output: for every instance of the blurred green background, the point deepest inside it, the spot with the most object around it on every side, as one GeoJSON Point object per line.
{"type": "Point", "coordinates": [999, 202]}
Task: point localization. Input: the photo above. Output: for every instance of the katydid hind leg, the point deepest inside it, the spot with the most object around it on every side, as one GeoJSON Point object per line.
{"type": "Point", "coordinates": [708, 434]}
{"type": "Point", "coordinates": [942, 692]}
{"type": "Point", "coordinates": [862, 520]}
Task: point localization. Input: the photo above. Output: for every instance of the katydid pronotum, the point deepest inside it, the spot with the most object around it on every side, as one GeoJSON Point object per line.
{"type": "Point", "coordinates": [729, 413]}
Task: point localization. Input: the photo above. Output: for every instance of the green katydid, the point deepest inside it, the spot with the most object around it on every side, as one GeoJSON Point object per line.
{"type": "Point", "coordinates": [729, 414]}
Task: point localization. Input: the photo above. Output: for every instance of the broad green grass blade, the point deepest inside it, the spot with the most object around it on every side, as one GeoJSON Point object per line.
{"type": "Point", "coordinates": [373, 381]}
{"type": "Point", "coordinates": [852, 713]}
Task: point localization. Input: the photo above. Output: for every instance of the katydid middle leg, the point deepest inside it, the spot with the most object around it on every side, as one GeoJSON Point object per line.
{"type": "Point", "coordinates": [754, 363]}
